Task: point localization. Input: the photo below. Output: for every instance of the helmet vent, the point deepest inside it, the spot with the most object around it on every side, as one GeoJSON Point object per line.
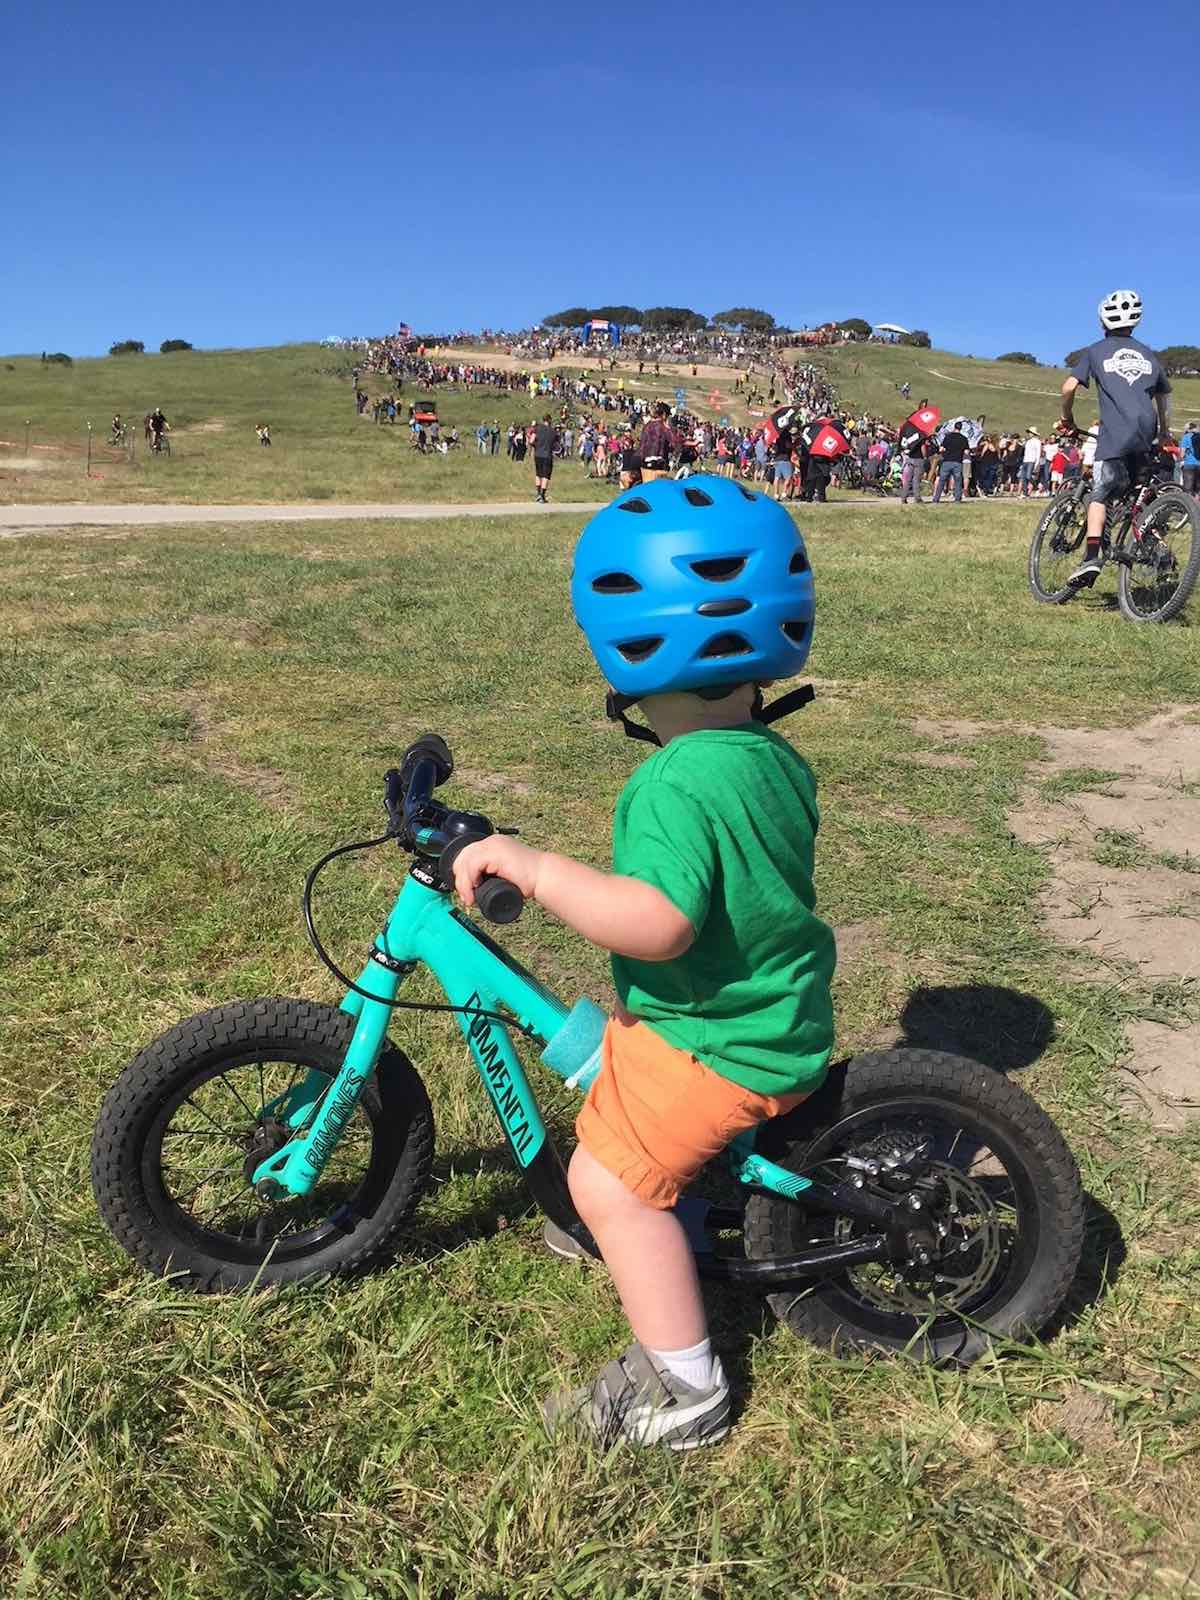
{"type": "Point", "coordinates": [720, 569]}
{"type": "Point", "coordinates": [697, 497]}
{"type": "Point", "coordinates": [635, 650]}
{"type": "Point", "coordinates": [799, 562]}
{"type": "Point", "coordinates": [635, 504]}
{"type": "Point", "coordinates": [749, 493]}
{"type": "Point", "coordinates": [727, 644]}
{"type": "Point", "coordinates": [616, 583]}
{"type": "Point", "coordinates": [796, 631]}
{"type": "Point", "coordinates": [723, 608]}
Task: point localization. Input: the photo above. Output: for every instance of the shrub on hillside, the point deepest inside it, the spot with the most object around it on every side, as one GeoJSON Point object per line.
{"type": "Point", "coordinates": [917, 337]}
{"type": "Point", "coordinates": [56, 358]}
{"type": "Point", "coordinates": [1022, 356]}
{"type": "Point", "coordinates": [126, 347]}
{"type": "Point", "coordinates": [166, 347]}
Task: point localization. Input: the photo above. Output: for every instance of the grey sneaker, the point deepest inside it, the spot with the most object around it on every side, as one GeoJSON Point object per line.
{"type": "Point", "coordinates": [1083, 577]}
{"type": "Point", "coordinates": [639, 1403]}
{"type": "Point", "coordinates": [564, 1244]}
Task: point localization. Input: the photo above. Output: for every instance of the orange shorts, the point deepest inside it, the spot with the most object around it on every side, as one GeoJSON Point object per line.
{"type": "Point", "coordinates": [654, 1114]}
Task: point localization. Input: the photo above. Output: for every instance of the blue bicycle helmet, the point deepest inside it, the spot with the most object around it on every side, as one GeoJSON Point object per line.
{"type": "Point", "coordinates": [693, 584]}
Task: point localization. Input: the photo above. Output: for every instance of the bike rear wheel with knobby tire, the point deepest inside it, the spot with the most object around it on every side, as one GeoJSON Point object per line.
{"type": "Point", "coordinates": [1164, 560]}
{"type": "Point", "coordinates": [1008, 1208]}
{"type": "Point", "coordinates": [1057, 547]}
{"type": "Point", "coordinates": [187, 1122]}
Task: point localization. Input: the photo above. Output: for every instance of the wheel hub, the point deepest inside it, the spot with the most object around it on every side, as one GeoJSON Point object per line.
{"type": "Point", "coordinates": [268, 1137]}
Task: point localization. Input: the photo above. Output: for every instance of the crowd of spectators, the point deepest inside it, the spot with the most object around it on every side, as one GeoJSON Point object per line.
{"type": "Point", "coordinates": [599, 415]}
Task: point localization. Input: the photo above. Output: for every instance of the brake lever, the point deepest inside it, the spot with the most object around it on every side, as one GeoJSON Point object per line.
{"type": "Point", "coordinates": [391, 795]}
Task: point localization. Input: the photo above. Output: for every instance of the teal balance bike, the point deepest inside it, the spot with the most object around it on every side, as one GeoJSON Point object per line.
{"type": "Point", "coordinates": [917, 1200]}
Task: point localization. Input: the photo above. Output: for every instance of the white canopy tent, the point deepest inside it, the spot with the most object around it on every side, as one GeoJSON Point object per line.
{"type": "Point", "coordinates": [890, 327]}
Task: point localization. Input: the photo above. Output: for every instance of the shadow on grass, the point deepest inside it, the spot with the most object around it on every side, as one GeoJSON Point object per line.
{"type": "Point", "coordinates": [1001, 1028]}
{"type": "Point", "coordinates": [1099, 1266]}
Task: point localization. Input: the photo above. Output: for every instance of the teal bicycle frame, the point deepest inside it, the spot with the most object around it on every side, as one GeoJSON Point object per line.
{"type": "Point", "coordinates": [479, 976]}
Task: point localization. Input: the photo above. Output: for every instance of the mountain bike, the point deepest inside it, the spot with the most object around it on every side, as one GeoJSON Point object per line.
{"type": "Point", "coordinates": [916, 1201]}
{"type": "Point", "coordinates": [1152, 533]}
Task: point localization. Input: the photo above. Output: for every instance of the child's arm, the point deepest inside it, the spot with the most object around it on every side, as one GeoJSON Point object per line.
{"type": "Point", "coordinates": [623, 915]}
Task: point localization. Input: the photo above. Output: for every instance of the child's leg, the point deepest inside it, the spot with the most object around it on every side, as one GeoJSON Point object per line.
{"type": "Point", "coordinates": [648, 1255]}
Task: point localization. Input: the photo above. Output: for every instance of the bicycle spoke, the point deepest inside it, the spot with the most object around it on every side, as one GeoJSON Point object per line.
{"type": "Point", "coordinates": [253, 1115]}
{"type": "Point", "coordinates": [233, 1166]}
{"type": "Point", "coordinates": [228, 1133]}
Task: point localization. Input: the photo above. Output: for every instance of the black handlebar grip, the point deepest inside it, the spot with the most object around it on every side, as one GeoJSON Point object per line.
{"type": "Point", "coordinates": [498, 900]}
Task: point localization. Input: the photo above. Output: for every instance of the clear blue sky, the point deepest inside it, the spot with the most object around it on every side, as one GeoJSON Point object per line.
{"type": "Point", "coordinates": [251, 174]}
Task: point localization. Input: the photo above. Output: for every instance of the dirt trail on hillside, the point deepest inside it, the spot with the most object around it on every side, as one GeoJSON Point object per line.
{"type": "Point", "coordinates": [987, 383]}
{"type": "Point", "coordinates": [1116, 814]}
{"type": "Point", "coordinates": [1125, 891]}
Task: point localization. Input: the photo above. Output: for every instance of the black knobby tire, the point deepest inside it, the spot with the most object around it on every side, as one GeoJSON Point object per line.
{"type": "Point", "coordinates": [1057, 547]}
{"type": "Point", "coordinates": [1155, 593]}
{"type": "Point", "coordinates": [360, 1224]}
{"type": "Point", "coordinates": [1032, 1276]}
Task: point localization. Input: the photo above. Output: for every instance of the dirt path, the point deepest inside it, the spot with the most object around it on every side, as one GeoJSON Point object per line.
{"type": "Point", "coordinates": [20, 521]}
{"type": "Point", "coordinates": [985, 383]}
{"type": "Point", "coordinates": [1116, 812]}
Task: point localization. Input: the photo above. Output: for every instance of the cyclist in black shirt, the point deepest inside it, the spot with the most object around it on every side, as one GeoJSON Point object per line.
{"type": "Point", "coordinates": [1135, 410]}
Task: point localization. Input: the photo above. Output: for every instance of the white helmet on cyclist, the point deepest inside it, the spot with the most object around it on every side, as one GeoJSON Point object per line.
{"type": "Point", "coordinates": [1121, 309]}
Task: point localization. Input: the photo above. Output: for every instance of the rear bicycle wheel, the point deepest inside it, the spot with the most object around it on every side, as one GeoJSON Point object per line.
{"type": "Point", "coordinates": [1055, 551]}
{"type": "Point", "coordinates": [1001, 1200]}
{"type": "Point", "coordinates": [1164, 560]}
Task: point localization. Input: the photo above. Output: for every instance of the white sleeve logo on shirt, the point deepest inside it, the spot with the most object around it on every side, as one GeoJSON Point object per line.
{"type": "Point", "coordinates": [1130, 365]}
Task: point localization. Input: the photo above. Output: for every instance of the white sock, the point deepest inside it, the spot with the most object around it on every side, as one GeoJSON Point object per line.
{"type": "Point", "coordinates": [695, 1366]}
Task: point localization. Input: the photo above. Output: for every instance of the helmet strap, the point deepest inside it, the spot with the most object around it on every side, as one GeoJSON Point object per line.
{"type": "Point", "coordinates": [616, 705]}
{"type": "Point", "coordinates": [795, 700]}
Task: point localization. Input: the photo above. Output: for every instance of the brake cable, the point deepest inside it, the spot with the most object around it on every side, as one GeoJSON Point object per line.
{"type": "Point", "coordinates": [349, 983]}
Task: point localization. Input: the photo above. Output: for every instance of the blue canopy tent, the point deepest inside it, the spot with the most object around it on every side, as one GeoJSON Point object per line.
{"type": "Point", "coordinates": [598, 325]}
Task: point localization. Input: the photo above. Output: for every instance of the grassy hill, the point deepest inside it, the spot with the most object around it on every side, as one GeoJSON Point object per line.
{"type": "Point", "coordinates": [323, 451]}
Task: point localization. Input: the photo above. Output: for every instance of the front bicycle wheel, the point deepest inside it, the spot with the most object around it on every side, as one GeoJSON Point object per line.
{"type": "Point", "coordinates": [1163, 560]}
{"type": "Point", "coordinates": [189, 1120]}
{"type": "Point", "coordinates": [1055, 551]}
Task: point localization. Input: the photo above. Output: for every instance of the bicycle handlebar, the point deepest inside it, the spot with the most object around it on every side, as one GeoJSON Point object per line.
{"type": "Point", "coordinates": [421, 825]}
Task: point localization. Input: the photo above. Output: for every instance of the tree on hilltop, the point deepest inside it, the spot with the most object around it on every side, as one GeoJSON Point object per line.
{"type": "Point", "coordinates": [626, 315]}
{"type": "Point", "coordinates": [917, 337]}
{"type": "Point", "coordinates": [570, 318]}
{"type": "Point", "coordinates": [673, 318]}
{"type": "Point", "coordinates": [127, 347]}
{"type": "Point", "coordinates": [1023, 356]}
{"type": "Point", "coordinates": [748, 318]}
{"type": "Point", "coordinates": [1181, 360]}
{"type": "Point", "coordinates": [858, 326]}
{"type": "Point", "coordinates": [169, 345]}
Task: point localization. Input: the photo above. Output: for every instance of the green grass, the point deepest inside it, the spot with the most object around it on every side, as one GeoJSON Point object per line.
{"type": "Point", "coordinates": [190, 718]}
{"type": "Point", "coordinates": [323, 451]}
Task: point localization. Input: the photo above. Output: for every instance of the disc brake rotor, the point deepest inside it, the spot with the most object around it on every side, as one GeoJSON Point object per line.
{"type": "Point", "coordinates": [971, 1245]}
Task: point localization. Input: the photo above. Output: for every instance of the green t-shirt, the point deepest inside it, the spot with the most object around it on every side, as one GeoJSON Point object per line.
{"type": "Point", "coordinates": [723, 822]}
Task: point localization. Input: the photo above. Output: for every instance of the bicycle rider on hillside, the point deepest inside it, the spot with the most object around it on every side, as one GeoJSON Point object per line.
{"type": "Point", "coordinates": [158, 426]}
{"type": "Point", "coordinates": [1135, 408]}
